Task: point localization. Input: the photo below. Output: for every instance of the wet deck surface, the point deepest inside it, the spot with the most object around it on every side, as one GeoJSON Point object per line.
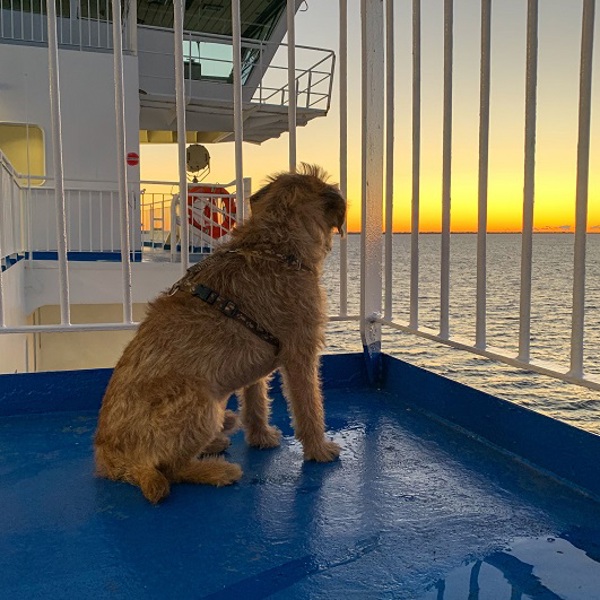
{"type": "Point", "coordinates": [412, 510]}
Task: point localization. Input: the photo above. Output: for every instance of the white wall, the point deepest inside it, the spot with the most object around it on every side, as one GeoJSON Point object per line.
{"type": "Point", "coordinates": [31, 296]}
{"type": "Point", "coordinates": [96, 282]}
{"type": "Point", "coordinates": [84, 350]}
{"type": "Point", "coordinates": [87, 106]}
{"type": "Point", "coordinates": [88, 128]}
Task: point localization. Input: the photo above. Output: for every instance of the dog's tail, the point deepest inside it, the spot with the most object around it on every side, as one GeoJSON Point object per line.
{"type": "Point", "coordinates": [154, 485]}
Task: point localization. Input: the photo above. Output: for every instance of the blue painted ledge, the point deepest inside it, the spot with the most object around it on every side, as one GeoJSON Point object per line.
{"type": "Point", "coordinates": [558, 448]}
{"type": "Point", "coordinates": [108, 256]}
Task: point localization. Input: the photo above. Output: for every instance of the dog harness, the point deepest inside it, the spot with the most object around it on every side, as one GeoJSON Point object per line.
{"type": "Point", "coordinates": [228, 307]}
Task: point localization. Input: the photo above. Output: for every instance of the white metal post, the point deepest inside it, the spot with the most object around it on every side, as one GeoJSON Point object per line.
{"type": "Point", "coordinates": [416, 166]}
{"type": "Point", "coordinates": [132, 26]}
{"type": "Point", "coordinates": [373, 81]}
{"type": "Point", "coordinates": [2, 200]}
{"type": "Point", "coordinates": [181, 130]}
{"type": "Point", "coordinates": [484, 130]}
{"type": "Point", "coordinates": [57, 159]}
{"type": "Point", "coordinates": [238, 121]}
{"type": "Point", "coordinates": [292, 99]}
{"type": "Point", "coordinates": [446, 171]}
{"type": "Point", "coordinates": [121, 168]}
{"type": "Point", "coordinates": [583, 173]}
{"type": "Point", "coordinates": [389, 156]}
{"type": "Point", "coordinates": [343, 53]}
{"type": "Point", "coordinates": [529, 181]}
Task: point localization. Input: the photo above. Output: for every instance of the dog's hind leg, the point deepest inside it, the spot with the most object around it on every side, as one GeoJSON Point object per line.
{"type": "Point", "coordinates": [219, 444]}
{"type": "Point", "coordinates": [256, 409]}
{"type": "Point", "coordinates": [302, 390]}
{"type": "Point", "coordinates": [210, 471]}
{"type": "Point", "coordinates": [179, 460]}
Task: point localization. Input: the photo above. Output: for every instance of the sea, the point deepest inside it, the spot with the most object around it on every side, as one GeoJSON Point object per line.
{"type": "Point", "coordinates": [552, 297]}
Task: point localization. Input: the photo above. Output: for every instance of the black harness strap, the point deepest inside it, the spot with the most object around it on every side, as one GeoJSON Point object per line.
{"type": "Point", "coordinates": [230, 309]}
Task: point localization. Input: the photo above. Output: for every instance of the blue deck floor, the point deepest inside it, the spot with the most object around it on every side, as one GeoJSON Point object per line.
{"type": "Point", "coordinates": [414, 509]}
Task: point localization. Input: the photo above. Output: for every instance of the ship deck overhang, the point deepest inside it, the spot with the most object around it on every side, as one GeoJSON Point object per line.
{"type": "Point", "coordinates": [440, 492]}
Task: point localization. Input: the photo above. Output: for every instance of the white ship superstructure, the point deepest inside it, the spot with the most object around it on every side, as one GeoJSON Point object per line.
{"type": "Point", "coordinates": [85, 95]}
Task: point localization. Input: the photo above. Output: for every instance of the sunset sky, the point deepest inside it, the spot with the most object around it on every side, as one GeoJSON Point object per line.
{"type": "Point", "coordinates": [558, 87]}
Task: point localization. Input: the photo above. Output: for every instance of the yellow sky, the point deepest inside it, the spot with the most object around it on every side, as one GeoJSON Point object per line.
{"type": "Point", "coordinates": [555, 182]}
{"type": "Point", "coordinates": [557, 120]}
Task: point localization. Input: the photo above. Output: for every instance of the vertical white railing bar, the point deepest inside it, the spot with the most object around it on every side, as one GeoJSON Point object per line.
{"type": "Point", "coordinates": [416, 165]}
{"type": "Point", "coordinates": [90, 208]}
{"type": "Point", "coordinates": [181, 131]}
{"type": "Point", "coordinates": [3, 174]}
{"type": "Point", "coordinates": [132, 26]}
{"type": "Point", "coordinates": [389, 155]}
{"type": "Point", "coordinates": [372, 123]}
{"type": "Point", "coordinates": [238, 120]}
{"type": "Point", "coordinates": [446, 170]}
{"type": "Point", "coordinates": [292, 99]}
{"type": "Point", "coordinates": [57, 160]}
{"type": "Point", "coordinates": [581, 197]}
{"type": "Point", "coordinates": [529, 181]}
{"type": "Point", "coordinates": [343, 52]}
{"type": "Point", "coordinates": [484, 134]}
{"type": "Point", "coordinates": [80, 221]}
{"type": "Point", "coordinates": [121, 166]}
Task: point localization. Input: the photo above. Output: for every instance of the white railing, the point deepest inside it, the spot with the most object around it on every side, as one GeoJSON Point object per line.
{"type": "Point", "coordinates": [209, 58]}
{"type": "Point", "coordinates": [373, 313]}
{"type": "Point", "coordinates": [91, 216]}
{"type": "Point", "coordinates": [12, 218]}
{"type": "Point", "coordinates": [12, 225]}
{"type": "Point", "coordinates": [379, 306]}
{"type": "Point", "coordinates": [80, 23]}
{"type": "Point", "coordinates": [212, 213]}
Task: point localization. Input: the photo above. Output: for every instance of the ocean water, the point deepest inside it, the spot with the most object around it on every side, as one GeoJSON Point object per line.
{"type": "Point", "coordinates": [552, 290]}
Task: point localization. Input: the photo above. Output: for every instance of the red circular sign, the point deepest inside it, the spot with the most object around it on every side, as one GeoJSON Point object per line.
{"type": "Point", "coordinates": [133, 159]}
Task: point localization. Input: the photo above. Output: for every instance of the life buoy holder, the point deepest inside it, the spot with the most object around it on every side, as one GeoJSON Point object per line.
{"type": "Point", "coordinates": [218, 216]}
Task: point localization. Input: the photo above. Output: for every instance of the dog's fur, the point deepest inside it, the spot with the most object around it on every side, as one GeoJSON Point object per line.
{"type": "Point", "coordinates": [165, 403]}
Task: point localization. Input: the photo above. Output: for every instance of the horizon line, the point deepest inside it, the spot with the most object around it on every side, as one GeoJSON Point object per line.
{"type": "Point", "coordinates": [545, 232]}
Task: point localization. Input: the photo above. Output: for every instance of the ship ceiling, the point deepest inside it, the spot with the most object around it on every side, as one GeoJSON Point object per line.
{"type": "Point", "coordinates": [258, 17]}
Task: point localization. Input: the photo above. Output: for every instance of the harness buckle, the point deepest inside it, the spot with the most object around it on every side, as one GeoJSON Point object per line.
{"type": "Point", "coordinates": [205, 293]}
{"type": "Point", "coordinates": [230, 309]}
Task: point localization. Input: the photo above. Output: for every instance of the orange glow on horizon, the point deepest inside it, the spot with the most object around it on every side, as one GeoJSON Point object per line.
{"type": "Point", "coordinates": [554, 208]}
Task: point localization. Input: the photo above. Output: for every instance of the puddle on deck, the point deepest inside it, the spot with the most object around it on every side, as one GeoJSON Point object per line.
{"type": "Point", "coordinates": [544, 568]}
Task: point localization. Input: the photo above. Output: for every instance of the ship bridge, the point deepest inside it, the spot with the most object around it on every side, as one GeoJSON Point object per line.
{"type": "Point", "coordinates": [208, 70]}
{"type": "Point", "coordinates": [207, 63]}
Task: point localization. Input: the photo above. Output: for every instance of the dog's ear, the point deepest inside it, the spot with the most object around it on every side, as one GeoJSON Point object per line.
{"type": "Point", "coordinates": [335, 209]}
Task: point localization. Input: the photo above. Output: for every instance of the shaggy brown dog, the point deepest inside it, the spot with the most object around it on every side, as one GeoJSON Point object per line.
{"type": "Point", "coordinates": [166, 399]}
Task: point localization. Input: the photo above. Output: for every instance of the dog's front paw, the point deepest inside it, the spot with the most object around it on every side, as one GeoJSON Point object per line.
{"type": "Point", "coordinates": [264, 438]}
{"type": "Point", "coordinates": [230, 473]}
{"type": "Point", "coordinates": [325, 452]}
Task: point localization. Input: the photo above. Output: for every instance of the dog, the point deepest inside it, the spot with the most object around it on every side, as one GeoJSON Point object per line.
{"type": "Point", "coordinates": [252, 307]}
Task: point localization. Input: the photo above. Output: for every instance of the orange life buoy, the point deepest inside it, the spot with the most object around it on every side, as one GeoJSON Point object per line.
{"type": "Point", "coordinates": [218, 216]}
